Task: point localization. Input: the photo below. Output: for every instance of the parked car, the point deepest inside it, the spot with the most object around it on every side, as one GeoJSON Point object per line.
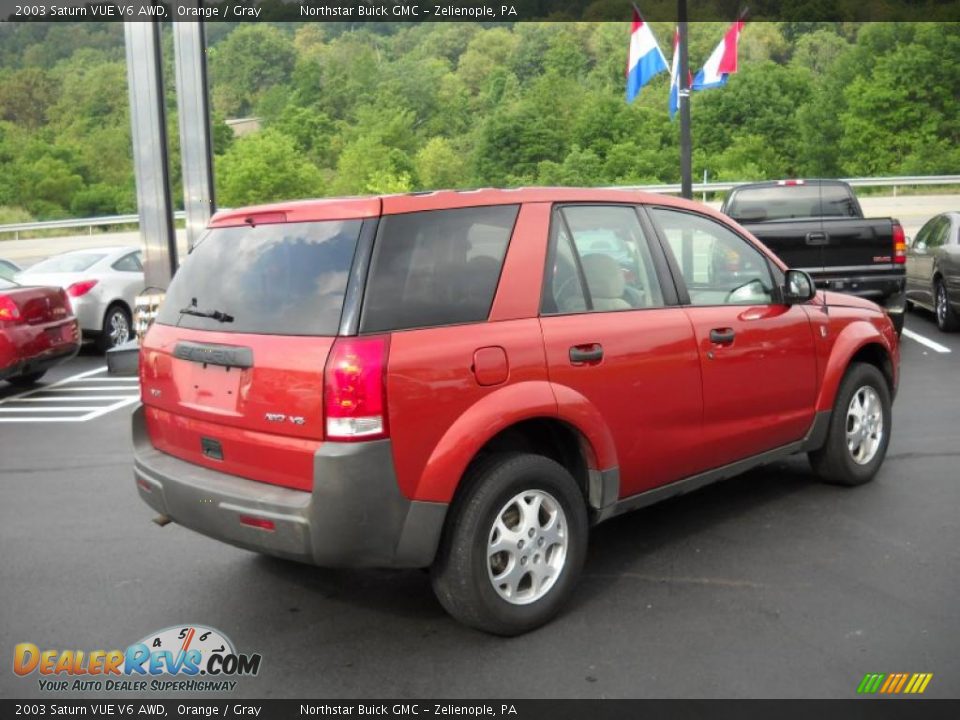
{"type": "Point", "coordinates": [37, 331]}
{"type": "Point", "coordinates": [102, 284]}
{"type": "Point", "coordinates": [468, 381]}
{"type": "Point", "coordinates": [8, 268]}
{"type": "Point", "coordinates": [933, 269]}
{"type": "Point", "coordinates": [818, 226]}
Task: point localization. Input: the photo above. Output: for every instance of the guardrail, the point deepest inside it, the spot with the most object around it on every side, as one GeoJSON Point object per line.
{"type": "Point", "coordinates": [703, 188]}
{"type": "Point", "coordinates": [894, 182]}
{"type": "Point", "coordinates": [71, 223]}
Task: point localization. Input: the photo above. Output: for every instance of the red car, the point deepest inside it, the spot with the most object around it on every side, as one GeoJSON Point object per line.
{"type": "Point", "coordinates": [468, 381]}
{"type": "Point", "coordinates": [37, 331]}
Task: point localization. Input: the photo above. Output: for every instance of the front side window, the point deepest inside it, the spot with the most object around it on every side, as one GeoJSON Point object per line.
{"type": "Point", "coordinates": [438, 267]}
{"type": "Point", "coordinates": [933, 234]}
{"type": "Point", "coordinates": [601, 262]}
{"type": "Point", "coordinates": [938, 238]}
{"type": "Point", "coordinates": [718, 266]}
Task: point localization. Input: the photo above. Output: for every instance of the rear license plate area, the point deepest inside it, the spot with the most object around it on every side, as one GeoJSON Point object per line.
{"type": "Point", "coordinates": [213, 386]}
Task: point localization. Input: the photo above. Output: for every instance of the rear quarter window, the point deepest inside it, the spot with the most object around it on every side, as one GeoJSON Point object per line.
{"type": "Point", "coordinates": [439, 267]}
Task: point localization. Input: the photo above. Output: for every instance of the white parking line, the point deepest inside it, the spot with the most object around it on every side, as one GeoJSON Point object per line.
{"type": "Point", "coordinates": [123, 379]}
{"type": "Point", "coordinates": [92, 388]}
{"type": "Point", "coordinates": [61, 398]}
{"type": "Point", "coordinates": [917, 337]}
{"type": "Point", "coordinates": [32, 405]}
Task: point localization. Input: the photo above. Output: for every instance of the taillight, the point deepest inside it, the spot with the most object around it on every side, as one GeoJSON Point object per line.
{"type": "Point", "coordinates": [9, 311]}
{"type": "Point", "coordinates": [355, 389]}
{"type": "Point", "coordinates": [899, 244]}
{"type": "Point", "coordinates": [78, 289]}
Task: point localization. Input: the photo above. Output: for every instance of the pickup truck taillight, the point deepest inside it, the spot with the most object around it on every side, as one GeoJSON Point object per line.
{"type": "Point", "coordinates": [9, 311]}
{"type": "Point", "coordinates": [355, 389]}
{"type": "Point", "coordinates": [899, 244]}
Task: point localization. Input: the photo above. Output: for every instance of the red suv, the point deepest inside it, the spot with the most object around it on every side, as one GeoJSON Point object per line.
{"type": "Point", "coordinates": [468, 381]}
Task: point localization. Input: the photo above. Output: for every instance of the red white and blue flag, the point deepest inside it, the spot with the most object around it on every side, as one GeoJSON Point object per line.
{"type": "Point", "coordinates": [645, 58]}
{"type": "Point", "coordinates": [675, 75]}
{"type": "Point", "coordinates": [722, 61]}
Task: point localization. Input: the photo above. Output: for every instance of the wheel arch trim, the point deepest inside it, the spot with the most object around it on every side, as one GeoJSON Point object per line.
{"type": "Point", "coordinates": [494, 414]}
{"type": "Point", "coordinates": [852, 339]}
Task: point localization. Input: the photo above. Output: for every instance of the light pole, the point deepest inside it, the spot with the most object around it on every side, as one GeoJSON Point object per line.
{"type": "Point", "coordinates": [686, 166]}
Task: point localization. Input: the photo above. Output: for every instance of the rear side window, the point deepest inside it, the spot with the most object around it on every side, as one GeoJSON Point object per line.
{"type": "Point", "coordinates": [436, 268]}
{"type": "Point", "coordinates": [283, 279]}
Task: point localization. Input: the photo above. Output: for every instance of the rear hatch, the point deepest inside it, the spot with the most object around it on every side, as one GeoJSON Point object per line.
{"type": "Point", "coordinates": [232, 369]}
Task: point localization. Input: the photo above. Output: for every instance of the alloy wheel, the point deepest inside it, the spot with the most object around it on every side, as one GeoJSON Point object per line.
{"type": "Point", "coordinates": [119, 329]}
{"type": "Point", "coordinates": [527, 547]}
{"type": "Point", "coordinates": [864, 425]}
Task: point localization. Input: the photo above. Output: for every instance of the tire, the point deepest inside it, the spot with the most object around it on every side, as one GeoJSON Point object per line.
{"type": "Point", "coordinates": [947, 319]}
{"type": "Point", "coordinates": [27, 380]}
{"type": "Point", "coordinates": [463, 573]}
{"type": "Point", "coordinates": [117, 328]}
{"type": "Point", "coordinates": [856, 463]}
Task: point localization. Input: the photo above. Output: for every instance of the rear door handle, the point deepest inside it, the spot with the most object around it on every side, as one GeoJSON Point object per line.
{"type": "Point", "coordinates": [817, 238]}
{"type": "Point", "coordinates": [589, 353]}
{"type": "Point", "coordinates": [722, 336]}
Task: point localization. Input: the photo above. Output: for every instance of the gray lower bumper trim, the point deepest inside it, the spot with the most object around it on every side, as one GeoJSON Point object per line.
{"type": "Point", "coordinates": [356, 515]}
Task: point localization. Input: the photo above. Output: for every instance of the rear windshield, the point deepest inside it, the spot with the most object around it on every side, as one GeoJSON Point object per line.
{"type": "Point", "coordinates": [783, 202]}
{"type": "Point", "coordinates": [283, 279]}
{"type": "Point", "coordinates": [74, 262]}
{"type": "Point", "coordinates": [439, 267]}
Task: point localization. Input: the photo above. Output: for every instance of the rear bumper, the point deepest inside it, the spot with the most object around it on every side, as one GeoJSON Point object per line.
{"type": "Point", "coordinates": [12, 363]}
{"type": "Point", "coordinates": [882, 289]}
{"type": "Point", "coordinates": [356, 515]}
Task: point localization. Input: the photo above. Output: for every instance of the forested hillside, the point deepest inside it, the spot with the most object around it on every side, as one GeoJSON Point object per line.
{"type": "Point", "coordinates": [350, 109]}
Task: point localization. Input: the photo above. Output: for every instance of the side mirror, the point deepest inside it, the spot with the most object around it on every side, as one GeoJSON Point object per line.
{"type": "Point", "coordinates": [798, 287]}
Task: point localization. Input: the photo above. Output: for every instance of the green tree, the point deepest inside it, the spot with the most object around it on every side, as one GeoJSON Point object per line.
{"type": "Point", "coordinates": [439, 165]}
{"type": "Point", "coordinates": [254, 58]}
{"type": "Point", "coordinates": [265, 167]}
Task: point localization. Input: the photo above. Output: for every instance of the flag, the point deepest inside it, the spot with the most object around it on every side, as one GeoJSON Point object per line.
{"type": "Point", "coordinates": [645, 59]}
{"type": "Point", "coordinates": [675, 75]}
{"type": "Point", "coordinates": [722, 61]}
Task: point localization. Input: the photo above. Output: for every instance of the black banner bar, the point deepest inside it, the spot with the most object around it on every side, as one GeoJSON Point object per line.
{"type": "Point", "coordinates": [488, 11]}
{"type": "Point", "coordinates": [856, 709]}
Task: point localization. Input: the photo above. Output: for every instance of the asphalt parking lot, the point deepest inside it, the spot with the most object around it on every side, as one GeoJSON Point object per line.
{"type": "Point", "coordinates": [767, 585]}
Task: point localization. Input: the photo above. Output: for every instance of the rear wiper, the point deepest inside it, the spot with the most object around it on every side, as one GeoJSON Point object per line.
{"type": "Point", "coordinates": [212, 314]}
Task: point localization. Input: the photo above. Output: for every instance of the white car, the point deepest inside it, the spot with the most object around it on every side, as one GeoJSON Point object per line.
{"type": "Point", "coordinates": [102, 284]}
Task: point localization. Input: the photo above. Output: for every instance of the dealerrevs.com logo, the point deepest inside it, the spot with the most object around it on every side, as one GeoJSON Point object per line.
{"type": "Point", "coordinates": [189, 658]}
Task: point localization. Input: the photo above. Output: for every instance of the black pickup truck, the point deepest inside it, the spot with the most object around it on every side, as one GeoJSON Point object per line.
{"type": "Point", "coordinates": [818, 226]}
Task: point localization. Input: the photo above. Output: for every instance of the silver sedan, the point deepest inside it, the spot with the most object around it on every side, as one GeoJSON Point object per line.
{"type": "Point", "coordinates": [102, 284]}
